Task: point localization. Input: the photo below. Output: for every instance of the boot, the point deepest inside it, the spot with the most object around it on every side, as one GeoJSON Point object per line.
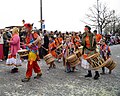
{"type": "Point", "coordinates": [103, 71]}
{"type": "Point", "coordinates": [25, 80]}
{"type": "Point", "coordinates": [67, 69]}
{"type": "Point", "coordinates": [89, 74]}
{"type": "Point", "coordinates": [73, 69]}
{"type": "Point", "coordinates": [54, 66]}
{"type": "Point", "coordinates": [14, 70]}
{"type": "Point", "coordinates": [50, 67]}
{"type": "Point", "coordinates": [97, 75]}
{"type": "Point", "coordinates": [110, 71]}
{"type": "Point", "coordinates": [38, 76]}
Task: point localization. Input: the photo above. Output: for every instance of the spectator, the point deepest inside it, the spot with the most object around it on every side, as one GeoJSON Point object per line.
{"type": "Point", "coordinates": [6, 36]}
{"type": "Point", "coordinates": [1, 46]}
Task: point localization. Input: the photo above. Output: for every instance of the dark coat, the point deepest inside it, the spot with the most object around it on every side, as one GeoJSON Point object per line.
{"type": "Point", "coordinates": [46, 42]}
{"type": "Point", "coordinates": [92, 41]}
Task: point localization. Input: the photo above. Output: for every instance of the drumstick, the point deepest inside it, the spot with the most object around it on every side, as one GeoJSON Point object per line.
{"type": "Point", "coordinates": [44, 48]}
{"type": "Point", "coordinates": [58, 47]}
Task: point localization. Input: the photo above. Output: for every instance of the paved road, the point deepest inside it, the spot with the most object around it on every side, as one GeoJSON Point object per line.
{"type": "Point", "coordinates": [58, 83]}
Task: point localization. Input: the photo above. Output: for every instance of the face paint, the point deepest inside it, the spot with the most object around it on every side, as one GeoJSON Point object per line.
{"type": "Point", "coordinates": [86, 29]}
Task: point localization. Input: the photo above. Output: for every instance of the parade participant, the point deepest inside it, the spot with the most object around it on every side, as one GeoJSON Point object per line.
{"type": "Point", "coordinates": [68, 49]}
{"type": "Point", "coordinates": [73, 36]}
{"type": "Point", "coordinates": [1, 46]}
{"type": "Point", "coordinates": [64, 37]}
{"type": "Point", "coordinates": [76, 43]}
{"type": "Point", "coordinates": [32, 43]}
{"type": "Point", "coordinates": [77, 37]}
{"type": "Point", "coordinates": [76, 40]}
{"type": "Point", "coordinates": [41, 50]}
{"type": "Point", "coordinates": [105, 53]}
{"type": "Point", "coordinates": [89, 48]}
{"type": "Point", "coordinates": [45, 46]}
{"type": "Point", "coordinates": [6, 36]}
{"type": "Point", "coordinates": [97, 36]}
{"type": "Point", "coordinates": [80, 35]}
{"type": "Point", "coordinates": [13, 58]}
{"type": "Point", "coordinates": [58, 42]}
{"type": "Point", "coordinates": [51, 50]}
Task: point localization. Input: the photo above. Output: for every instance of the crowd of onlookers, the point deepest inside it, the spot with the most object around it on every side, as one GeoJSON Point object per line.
{"type": "Point", "coordinates": [112, 40]}
{"type": "Point", "coordinates": [4, 46]}
{"type": "Point", "coordinates": [6, 35]}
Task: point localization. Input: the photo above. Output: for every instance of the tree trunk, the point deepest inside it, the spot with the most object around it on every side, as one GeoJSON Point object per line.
{"type": "Point", "coordinates": [100, 29]}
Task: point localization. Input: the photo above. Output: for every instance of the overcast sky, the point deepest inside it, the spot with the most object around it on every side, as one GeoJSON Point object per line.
{"type": "Point", "coordinates": [64, 15]}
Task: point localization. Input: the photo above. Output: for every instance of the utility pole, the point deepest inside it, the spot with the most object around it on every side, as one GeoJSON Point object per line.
{"type": "Point", "coordinates": [41, 13]}
{"type": "Point", "coordinates": [98, 25]}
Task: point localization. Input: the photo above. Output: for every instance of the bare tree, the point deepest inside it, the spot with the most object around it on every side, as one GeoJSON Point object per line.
{"type": "Point", "coordinates": [117, 26]}
{"type": "Point", "coordinates": [114, 26]}
{"type": "Point", "coordinates": [100, 16]}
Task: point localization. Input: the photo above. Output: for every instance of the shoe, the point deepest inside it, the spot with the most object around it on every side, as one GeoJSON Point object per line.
{"type": "Point", "coordinates": [73, 69]}
{"type": "Point", "coordinates": [54, 66]}
{"type": "Point", "coordinates": [38, 76]}
{"type": "Point", "coordinates": [1, 60]}
{"type": "Point", "coordinates": [110, 71]}
{"type": "Point", "coordinates": [103, 73]}
{"type": "Point", "coordinates": [97, 75]}
{"type": "Point", "coordinates": [15, 70]}
{"type": "Point", "coordinates": [49, 67]}
{"type": "Point", "coordinates": [67, 71]}
{"type": "Point", "coordinates": [25, 80]}
{"type": "Point", "coordinates": [89, 74]}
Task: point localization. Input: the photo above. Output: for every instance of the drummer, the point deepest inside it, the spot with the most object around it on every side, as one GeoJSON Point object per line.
{"type": "Point", "coordinates": [58, 42]}
{"type": "Point", "coordinates": [32, 43]}
{"type": "Point", "coordinates": [98, 39]}
{"type": "Point", "coordinates": [97, 36]}
{"type": "Point", "coordinates": [52, 48]}
{"type": "Point", "coordinates": [75, 40]}
{"type": "Point", "coordinates": [76, 44]}
{"type": "Point", "coordinates": [105, 53]}
{"type": "Point", "coordinates": [68, 49]}
{"type": "Point", "coordinates": [89, 48]}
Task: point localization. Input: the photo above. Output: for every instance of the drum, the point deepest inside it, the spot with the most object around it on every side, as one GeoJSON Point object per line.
{"type": "Point", "coordinates": [59, 51]}
{"type": "Point", "coordinates": [73, 60]}
{"type": "Point", "coordinates": [79, 51]}
{"type": "Point", "coordinates": [23, 52]}
{"type": "Point", "coordinates": [110, 64]}
{"type": "Point", "coordinates": [95, 61]}
{"type": "Point", "coordinates": [49, 58]}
